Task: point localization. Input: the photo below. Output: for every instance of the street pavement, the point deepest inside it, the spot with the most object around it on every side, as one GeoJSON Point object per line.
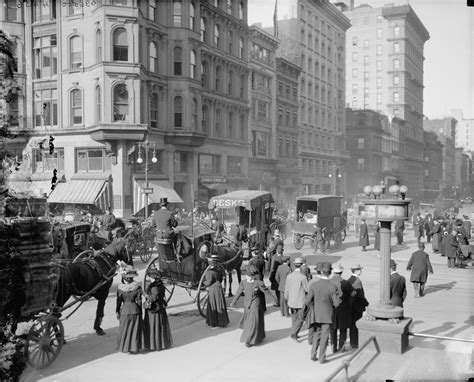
{"type": "Point", "coordinates": [200, 353]}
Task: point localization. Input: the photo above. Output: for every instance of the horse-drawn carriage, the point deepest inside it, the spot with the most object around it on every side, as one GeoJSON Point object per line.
{"type": "Point", "coordinates": [188, 265]}
{"type": "Point", "coordinates": [324, 210]}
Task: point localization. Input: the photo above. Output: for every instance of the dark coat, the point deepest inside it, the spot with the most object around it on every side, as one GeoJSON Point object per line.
{"type": "Point", "coordinates": [276, 262]}
{"type": "Point", "coordinates": [216, 312]}
{"type": "Point", "coordinates": [164, 221]}
{"type": "Point", "coordinates": [258, 262]}
{"type": "Point", "coordinates": [466, 225]}
{"type": "Point", "coordinates": [342, 317]}
{"type": "Point", "coordinates": [364, 235]}
{"type": "Point", "coordinates": [419, 265]}
{"type": "Point", "coordinates": [377, 238]}
{"type": "Point", "coordinates": [398, 290]}
{"type": "Point", "coordinates": [436, 234]}
{"type": "Point", "coordinates": [325, 298]}
{"type": "Point", "coordinates": [358, 300]}
{"type": "Point", "coordinates": [450, 246]}
{"type": "Point", "coordinates": [281, 274]}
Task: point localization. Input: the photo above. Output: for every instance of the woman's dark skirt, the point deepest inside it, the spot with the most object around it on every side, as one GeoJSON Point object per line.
{"type": "Point", "coordinates": [130, 338]}
{"type": "Point", "coordinates": [216, 313]}
{"type": "Point", "coordinates": [157, 330]}
{"type": "Point", "coordinates": [253, 324]}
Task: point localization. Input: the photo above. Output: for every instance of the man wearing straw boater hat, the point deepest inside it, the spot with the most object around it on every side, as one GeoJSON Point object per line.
{"type": "Point", "coordinates": [164, 221]}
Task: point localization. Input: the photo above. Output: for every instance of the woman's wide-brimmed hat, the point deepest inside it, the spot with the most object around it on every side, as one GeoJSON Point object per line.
{"type": "Point", "coordinates": [154, 273]}
{"type": "Point", "coordinates": [129, 271]}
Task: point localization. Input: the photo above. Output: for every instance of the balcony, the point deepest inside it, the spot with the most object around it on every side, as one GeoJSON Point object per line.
{"type": "Point", "coordinates": [185, 138]}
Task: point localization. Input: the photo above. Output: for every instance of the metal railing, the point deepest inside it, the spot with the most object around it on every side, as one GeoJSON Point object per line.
{"type": "Point", "coordinates": [440, 337]}
{"type": "Point", "coordinates": [345, 364]}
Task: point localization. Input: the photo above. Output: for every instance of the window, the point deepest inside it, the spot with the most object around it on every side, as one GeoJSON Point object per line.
{"type": "Point", "coordinates": [396, 80]}
{"type": "Point", "coordinates": [230, 123]}
{"type": "Point", "coordinates": [153, 63]}
{"type": "Point", "coordinates": [41, 13]}
{"type": "Point", "coordinates": [361, 163]}
{"type": "Point", "coordinates": [354, 88]}
{"type": "Point", "coordinates": [46, 162]}
{"type": "Point", "coordinates": [354, 73]}
{"type": "Point", "coordinates": [217, 35]}
{"type": "Point", "coordinates": [75, 8]}
{"type": "Point", "coordinates": [379, 50]}
{"type": "Point", "coordinates": [396, 47]}
{"type": "Point", "coordinates": [209, 164]}
{"type": "Point", "coordinates": [396, 31]}
{"type": "Point", "coordinates": [230, 83]}
{"type": "Point", "coordinates": [379, 66]}
{"type": "Point", "coordinates": [193, 64]}
{"type": "Point", "coordinates": [396, 64]}
{"type": "Point", "coordinates": [205, 119]}
{"type": "Point", "coordinates": [120, 2]}
{"type": "Point", "coordinates": [241, 48]}
{"type": "Point", "coordinates": [379, 33]}
{"type": "Point", "coordinates": [234, 165]}
{"type": "Point", "coordinates": [120, 111]}
{"type": "Point", "coordinates": [242, 127]}
{"type": "Point", "coordinates": [92, 160]}
{"type": "Point", "coordinates": [354, 41]}
{"type": "Point", "coordinates": [76, 107]}
{"type": "Point", "coordinates": [11, 9]}
{"type": "Point", "coordinates": [427, 172]}
{"type": "Point", "coordinates": [46, 107]}
{"type": "Point", "coordinates": [180, 162]}
{"type": "Point", "coordinates": [260, 144]}
{"type": "Point", "coordinates": [230, 38]}
{"type": "Point", "coordinates": [45, 56]}
{"type": "Point", "coordinates": [218, 131]}
{"type": "Point", "coordinates": [366, 75]}
{"type": "Point", "coordinates": [379, 18]}
{"type": "Point", "coordinates": [98, 45]}
{"type": "Point", "coordinates": [379, 82]}
{"type": "Point", "coordinates": [241, 11]}
{"type": "Point", "coordinates": [75, 48]}
{"type": "Point", "coordinates": [154, 110]}
{"type": "Point", "coordinates": [354, 56]}
{"type": "Point", "coordinates": [152, 10]}
{"type": "Point", "coordinates": [178, 61]}
{"type": "Point", "coordinates": [98, 105]}
{"type": "Point", "coordinates": [242, 87]}
{"type": "Point", "coordinates": [229, 7]}
{"type": "Point", "coordinates": [120, 48]}
{"type": "Point", "coordinates": [195, 115]}
{"type": "Point", "coordinates": [192, 16]}
{"type": "Point", "coordinates": [396, 97]}
{"type": "Point", "coordinates": [205, 75]}
{"type": "Point", "coordinates": [177, 13]}
{"type": "Point", "coordinates": [354, 104]}
{"type": "Point", "coordinates": [178, 112]}
{"type": "Point", "coordinates": [218, 78]}
{"type": "Point", "coordinates": [379, 99]}
{"type": "Point", "coordinates": [396, 112]}
{"type": "Point", "coordinates": [366, 60]}
{"type": "Point", "coordinates": [203, 30]}
{"type": "Point", "coordinates": [366, 44]}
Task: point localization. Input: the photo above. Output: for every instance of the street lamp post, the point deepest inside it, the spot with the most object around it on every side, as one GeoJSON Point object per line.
{"type": "Point", "coordinates": [337, 175]}
{"type": "Point", "coordinates": [146, 146]}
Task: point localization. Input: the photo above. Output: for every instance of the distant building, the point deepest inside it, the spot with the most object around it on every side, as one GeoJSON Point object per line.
{"type": "Point", "coordinates": [432, 166]}
{"type": "Point", "coordinates": [446, 130]}
{"type": "Point", "coordinates": [462, 185]}
{"type": "Point", "coordinates": [464, 131]}
{"type": "Point", "coordinates": [384, 72]}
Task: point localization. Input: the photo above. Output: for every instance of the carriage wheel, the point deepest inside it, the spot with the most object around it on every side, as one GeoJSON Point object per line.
{"type": "Point", "coordinates": [145, 253]}
{"type": "Point", "coordinates": [203, 292]}
{"type": "Point", "coordinates": [298, 241]}
{"type": "Point", "coordinates": [84, 255]}
{"type": "Point", "coordinates": [45, 340]}
{"type": "Point", "coordinates": [147, 280]}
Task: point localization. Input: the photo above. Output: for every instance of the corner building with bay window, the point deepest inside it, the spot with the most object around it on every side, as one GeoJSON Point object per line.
{"type": "Point", "coordinates": [104, 77]}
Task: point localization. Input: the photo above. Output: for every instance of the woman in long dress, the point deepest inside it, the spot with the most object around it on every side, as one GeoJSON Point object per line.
{"type": "Point", "coordinates": [252, 321]}
{"type": "Point", "coordinates": [129, 313]}
{"type": "Point", "coordinates": [216, 312]}
{"type": "Point", "coordinates": [156, 324]}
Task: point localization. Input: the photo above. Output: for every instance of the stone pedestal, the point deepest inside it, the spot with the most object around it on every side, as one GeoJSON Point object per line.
{"type": "Point", "coordinates": [392, 337]}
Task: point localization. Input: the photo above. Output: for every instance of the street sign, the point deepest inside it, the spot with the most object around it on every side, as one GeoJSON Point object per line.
{"type": "Point", "coordinates": [147, 190]}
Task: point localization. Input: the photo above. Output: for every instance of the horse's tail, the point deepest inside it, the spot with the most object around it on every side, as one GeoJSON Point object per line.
{"type": "Point", "coordinates": [64, 285]}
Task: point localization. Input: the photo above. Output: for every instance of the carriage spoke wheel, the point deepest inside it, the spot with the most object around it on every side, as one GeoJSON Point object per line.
{"type": "Point", "coordinates": [298, 241]}
{"type": "Point", "coordinates": [84, 255]}
{"type": "Point", "coordinates": [145, 253]}
{"type": "Point", "coordinates": [203, 292]}
{"type": "Point", "coordinates": [168, 283]}
{"type": "Point", "coordinates": [45, 340]}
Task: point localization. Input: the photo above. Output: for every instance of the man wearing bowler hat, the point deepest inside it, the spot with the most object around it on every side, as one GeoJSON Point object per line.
{"type": "Point", "coordinates": [398, 290]}
{"type": "Point", "coordinates": [419, 265]}
{"type": "Point", "coordinates": [164, 221]}
{"type": "Point", "coordinates": [358, 304]}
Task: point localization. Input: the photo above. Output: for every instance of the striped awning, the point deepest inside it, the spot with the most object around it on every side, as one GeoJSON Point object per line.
{"type": "Point", "coordinates": [90, 191]}
{"type": "Point", "coordinates": [30, 188]}
{"type": "Point", "coordinates": [161, 189]}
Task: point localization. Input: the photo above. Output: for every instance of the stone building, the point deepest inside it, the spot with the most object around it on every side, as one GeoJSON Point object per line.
{"type": "Point", "coordinates": [433, 166]}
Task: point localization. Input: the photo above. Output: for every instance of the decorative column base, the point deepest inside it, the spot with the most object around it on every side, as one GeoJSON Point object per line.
{"type": "Point", "coordinates": [392, 336]}
{"type": "Point", "coordinates": [384, 311]}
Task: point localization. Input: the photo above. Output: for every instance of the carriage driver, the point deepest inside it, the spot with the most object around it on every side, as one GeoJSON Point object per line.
{"type": "Point", "coordinates": [164, 221]}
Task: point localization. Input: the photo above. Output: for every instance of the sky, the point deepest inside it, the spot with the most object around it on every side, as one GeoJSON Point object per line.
{"type": "Point", "coordinates": [449, 53]}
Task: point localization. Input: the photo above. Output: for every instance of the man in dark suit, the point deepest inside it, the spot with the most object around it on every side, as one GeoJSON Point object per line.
{"type": "Point", "coordinates": [108, 220]}
{"type": "Point", "coordinates": [358, 304]}
{"type": "Point", "coordinates": [398, 290]}
{"type": "Point", "coordinates": [419, 265]}
{"type": "Point", "coordinates": [164, 222]}
{"type": "Point", "coordinates": [257, 260]}
{"type": "Point", "coordinates": [319, 240]}
{"type": "Point", "coordinates": [399, 228]}
{"type": "Point", "coordinates": [281, 274]}
{"type": "Point", "coordinates": [450, 244]}
{"type": "Point", "coordinates": [466, 225]}
{"type": "Point", "coordinates": [276, 261]}
{"type": "Point", "coordinates": [363, 235]}
{"type": "Point", "coordinates": [325, 298]}
{"type": "Point", "coordinates": [436, 234]}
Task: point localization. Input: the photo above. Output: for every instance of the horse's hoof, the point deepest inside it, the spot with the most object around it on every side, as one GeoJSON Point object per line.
{"type": "Point", "coordinates": [100, 332]}
{"type": "Point", "coordinates": [230, 295]}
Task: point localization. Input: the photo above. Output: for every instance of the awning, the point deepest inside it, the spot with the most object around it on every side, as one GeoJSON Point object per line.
{"type": "Point", "coordinates": [94, 191]}
{"type": "Point", "coordinates": [161, 189]}
{"type": "Point", "coordinates": [30, 188]}
{"type": "Point", "coordinates": [216, 186]}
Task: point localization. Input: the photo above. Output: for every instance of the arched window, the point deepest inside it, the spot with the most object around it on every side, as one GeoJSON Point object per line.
{"type": "Point", "coordinates": [230, 87]}
{"type": "Point", "coordinates": [153, 58]}
{"type": "Point", "coordinates": [177, 13]}
{"type": "Point", "coordinates": [218, 124]}
{"type": "Point", "coordinates": [241, 11]}
{"type": "Point", "coordinates": [193, 64]}
{"type": "Point", "coordinates": [217, 35]}
{"type": "Point", "coordinates": [242, 87]}
{"type": "Point", "coordinates": [205, 75]}
{"type": "Point", "coordinates": [241, 47]}
{"type": "Point", "coordinates": [205, 119]}
{"type": "Point", "coordinates": [76, 107]}
{"type": "Point", "coordinates": [230, 41]}
{"type": "Point", "coordinates": [231, 125]}
{"type": "Point", "coordinates": [218, 78]}
{"type": "Point", "coordinates": [178, 112]}
{"type": "Point", "coordinates": [152, 10]}
{"type": "Point", "coordinates": [178, 61]}
{"type": "Point", "coordinates": [75, 48]}
{"type": "Point", "coordinates": [195, 115]}
{"type": "Point", "coordinates": [154, 110]}
{"type": "Point", "coordinates": [203, 29]}
{"type": "Point", "coordinates": [98, 45]}
{"type": "Point", "coordinates": [192, 15]}
{"type": "Point", "coordinates": [120, 42]}
{"type": "Point", "coordinates": [98, 105]}
{"type": "Point", "coordinates": [121, 109]}
{"type": "Point", "coordinates": [242, 127]}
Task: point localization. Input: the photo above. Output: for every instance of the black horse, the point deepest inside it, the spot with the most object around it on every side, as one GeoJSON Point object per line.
{"type": "Point", "coordinates": [78, 278]}
{"type": "Point", "coordinates": [231, 259]}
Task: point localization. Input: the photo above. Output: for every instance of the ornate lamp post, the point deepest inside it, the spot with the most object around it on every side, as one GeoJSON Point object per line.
{"type": "Point", "coordinates": [146, 146]}
{"type": "Point", "coordinates": [337, 175]}
{"type": "Point", "coordinates": [384, 319]}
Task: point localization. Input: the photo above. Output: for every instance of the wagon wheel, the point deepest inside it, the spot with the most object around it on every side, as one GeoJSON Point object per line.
{"type": "Point", "coordinates": [145, 253]}
{"type": "Point", "coordinates": [45, 340]}
{"type": "Point", "coordinates": [298, 241]}
{"type": "Point", "coordinates": [203, 292]}
{"type": "Point", "coordinates": [84, 255]}
{"type": "Point", "coordinates": [168, 283]}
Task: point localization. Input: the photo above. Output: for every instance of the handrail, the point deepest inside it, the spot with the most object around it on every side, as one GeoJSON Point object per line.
{"type": "Point", "coordinates": [346, 362]}
{"type": "Point", "coordinates": [440, 337]}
